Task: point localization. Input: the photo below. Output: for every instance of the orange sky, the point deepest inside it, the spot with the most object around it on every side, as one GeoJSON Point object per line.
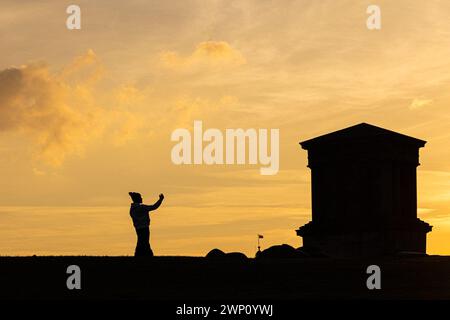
{"type": "Point", "coordinates": [86, 115]}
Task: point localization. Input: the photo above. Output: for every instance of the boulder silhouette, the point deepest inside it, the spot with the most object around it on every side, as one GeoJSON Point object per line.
{"type": "Point", "coordinates": [219, 254]}
{"type": "Point", "coordinates": [236, 256]}
{"type": "Point", "coordinates": [215, 254]}
{"type": "Point", "coordinates": [283, 251]}
{"type": "Point", "coordinates": [313, 252]}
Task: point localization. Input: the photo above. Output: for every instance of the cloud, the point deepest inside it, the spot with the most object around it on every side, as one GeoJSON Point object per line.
{"type": "Point", "coordinates": [420, 103]}
{"type": "Point", "coordinates": [129, 95]}
{"type": "Point", "coordinates": [57, 111]}
{"type": "Point", "coordinates": [185, 109]}
{"type": "Point", "coordinates": [87, 65]}
{"type": "Point", "coordinates": [208, 53]}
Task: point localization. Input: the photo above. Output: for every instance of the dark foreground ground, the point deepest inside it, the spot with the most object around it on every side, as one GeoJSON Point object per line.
{"type": "Point", "coordinates": [190, 278]}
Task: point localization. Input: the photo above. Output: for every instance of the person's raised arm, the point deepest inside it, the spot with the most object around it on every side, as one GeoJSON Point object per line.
{"type": "Point", "coordinates": [156, 204]}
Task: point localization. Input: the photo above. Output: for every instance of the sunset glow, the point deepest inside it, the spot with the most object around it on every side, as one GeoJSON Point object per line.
{"type": "Point", "coordinates": [86, 115]}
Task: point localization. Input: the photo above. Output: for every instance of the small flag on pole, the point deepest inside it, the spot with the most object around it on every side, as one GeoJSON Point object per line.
{"type": "Point", "coordinates": [260, 236]}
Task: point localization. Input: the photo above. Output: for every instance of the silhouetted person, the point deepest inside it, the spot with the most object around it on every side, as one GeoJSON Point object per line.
{"type": "Point", "coordinates": [141, 221]}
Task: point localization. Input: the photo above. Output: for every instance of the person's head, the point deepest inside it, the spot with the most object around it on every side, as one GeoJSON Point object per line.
{"type": "Point", "coordinates": [136, 197]}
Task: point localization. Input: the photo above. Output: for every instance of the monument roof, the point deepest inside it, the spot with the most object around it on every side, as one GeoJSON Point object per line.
{"type": "Point", "coordinates": [361, 132]}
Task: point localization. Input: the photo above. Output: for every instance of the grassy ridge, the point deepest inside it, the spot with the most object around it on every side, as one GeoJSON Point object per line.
{"type": "Point", "coordinates": [166, 278]}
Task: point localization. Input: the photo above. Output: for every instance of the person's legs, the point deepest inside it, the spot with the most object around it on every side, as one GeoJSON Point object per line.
{"type": "Point", "coordinates": [139, 252]}
{"type": "Point", "coordinates": [143, 245]}
{"type": "Point", "coordinates": [146, 249]}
